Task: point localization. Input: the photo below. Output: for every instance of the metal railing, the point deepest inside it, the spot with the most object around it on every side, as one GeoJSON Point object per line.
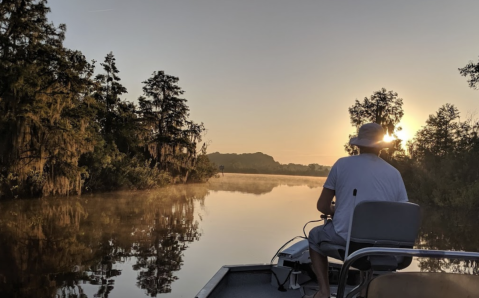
{"type": "Point", "coordinates": [403, 252]}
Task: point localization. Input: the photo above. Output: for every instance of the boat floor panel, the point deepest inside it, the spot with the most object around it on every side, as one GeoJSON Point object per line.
{"type": "Point", "coordinates": [258, 284]}
{"type": "Point", "coordinates": [256, 290]}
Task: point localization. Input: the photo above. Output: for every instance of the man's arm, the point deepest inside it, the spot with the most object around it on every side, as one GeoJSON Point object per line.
{"type": "Point", "coordinates": [324, 202]}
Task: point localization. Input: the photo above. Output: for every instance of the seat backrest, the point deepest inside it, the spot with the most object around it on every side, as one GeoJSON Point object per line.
{"type": "Point", "coordinates": [385, 224]}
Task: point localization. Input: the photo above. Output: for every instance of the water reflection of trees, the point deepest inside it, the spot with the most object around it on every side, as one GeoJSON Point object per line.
{"type": "Point", "coordinates": [260, 184]}
{"type": "Point", "coordinates": [160, 244]}
{"type": "Point", "coordinates": [449, 230]}
{"type": "Point", "coordinates": [52, 247]}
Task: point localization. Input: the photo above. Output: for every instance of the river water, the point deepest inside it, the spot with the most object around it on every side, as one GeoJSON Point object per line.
{"type": "Point", "coordinates": [170, 242]}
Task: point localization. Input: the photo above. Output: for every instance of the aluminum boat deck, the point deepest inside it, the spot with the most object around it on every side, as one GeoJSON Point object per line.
{"type": "Point", "coordinates": [253, 281]}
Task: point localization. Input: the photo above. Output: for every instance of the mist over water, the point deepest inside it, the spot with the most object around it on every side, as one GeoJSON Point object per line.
{"type": "Point", "coordinates": [170, 242]}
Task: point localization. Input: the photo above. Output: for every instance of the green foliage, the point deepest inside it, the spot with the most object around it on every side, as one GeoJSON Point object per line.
{"type": "Point", "coordinates": [441, 135]}
{"type": "Point", "coordinates": [64, 130]}
{"type": "Point", "coordinates": [382, 107]}
{"type": "Point", "coordinates": [441, 168]}
{"type": "Point", "coordinates": [44, 100]}
{"type": "Point", "coordinates": [147, 146]}
{"type": "Point", "coordinates": [173, 139]}
{"type": "Point", "coordinates": [204, 169]}
{"type": "Point", "coordinates": [110, 169]}
{"type": "Point", "coordinates": [471, 70]}
{"type": "Point", "coordinates": [130, 173]}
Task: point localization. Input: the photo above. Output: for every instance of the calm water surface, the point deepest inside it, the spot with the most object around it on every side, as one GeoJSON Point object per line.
{"type": "Point", "coordinates": [170, 242]}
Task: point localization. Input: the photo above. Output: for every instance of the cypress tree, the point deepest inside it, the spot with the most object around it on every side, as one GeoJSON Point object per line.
{"type": "Point", "coordinates": [173, 138]}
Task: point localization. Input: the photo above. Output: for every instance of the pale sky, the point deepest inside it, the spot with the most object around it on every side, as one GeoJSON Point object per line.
{"type": "Point", "coordinates": [278, 76]}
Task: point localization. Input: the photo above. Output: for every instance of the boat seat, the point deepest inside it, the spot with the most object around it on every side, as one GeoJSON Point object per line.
{"type": "Point", "coordinates": [379, 224]}
{"type": "Point", "coordinates": [424, 284]}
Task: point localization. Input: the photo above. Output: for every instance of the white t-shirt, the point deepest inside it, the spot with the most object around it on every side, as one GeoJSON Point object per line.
{"type": "Point", "coordinates": [372, 177]}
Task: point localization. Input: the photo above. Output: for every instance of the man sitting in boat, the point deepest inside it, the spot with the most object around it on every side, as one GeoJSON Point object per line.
{"type": "Point", "coordinates": [363, 177]}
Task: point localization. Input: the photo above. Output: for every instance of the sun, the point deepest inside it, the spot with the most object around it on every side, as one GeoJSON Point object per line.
{"type": "Point", "coordinates": [403, 135]}
{"type": "Point", "coordinates": [388, 138]}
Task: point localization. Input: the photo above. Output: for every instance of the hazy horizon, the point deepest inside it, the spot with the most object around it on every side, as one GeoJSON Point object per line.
{"type": "Point", "coordinates": [278, 76]}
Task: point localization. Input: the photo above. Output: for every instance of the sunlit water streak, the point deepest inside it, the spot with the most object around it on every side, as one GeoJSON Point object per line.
{"type": "Point", "coordinates": [169, 242]}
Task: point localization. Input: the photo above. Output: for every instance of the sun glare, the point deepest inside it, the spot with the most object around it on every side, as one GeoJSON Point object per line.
{"type": "Point", "coordinates": [402, 135]}
{"type": "Point", "coordinates": [388, 138]}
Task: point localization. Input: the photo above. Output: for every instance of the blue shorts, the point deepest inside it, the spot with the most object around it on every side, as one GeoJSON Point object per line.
{"type": "Point", "coordinates": [324, 233]}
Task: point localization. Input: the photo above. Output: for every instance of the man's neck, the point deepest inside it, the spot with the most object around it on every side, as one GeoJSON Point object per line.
{"type": "Point", "coordinates": [365, 150]}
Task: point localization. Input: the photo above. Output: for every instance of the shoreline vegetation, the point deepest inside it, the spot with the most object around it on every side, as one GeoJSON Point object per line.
{"type": "Point", "coordinates": [65, 127]}
{"type": "Point", "coordinates": [260, 163]}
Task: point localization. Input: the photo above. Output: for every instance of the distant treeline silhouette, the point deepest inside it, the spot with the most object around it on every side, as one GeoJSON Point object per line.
{"type": "Point", "coordinates": [440, 165]}
{"type": "Point", "coordinates": [64, 130]}
{"type": "Point", "coordinates": [260, 163]}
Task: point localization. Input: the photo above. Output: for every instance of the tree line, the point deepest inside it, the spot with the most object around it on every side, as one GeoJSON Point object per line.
{"type": "Point", "coordinates": [439, 165]}
{"type": "Point", "coordinates": [65, 129]}
{"type": "Point", "coordinates": [260, 163]}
